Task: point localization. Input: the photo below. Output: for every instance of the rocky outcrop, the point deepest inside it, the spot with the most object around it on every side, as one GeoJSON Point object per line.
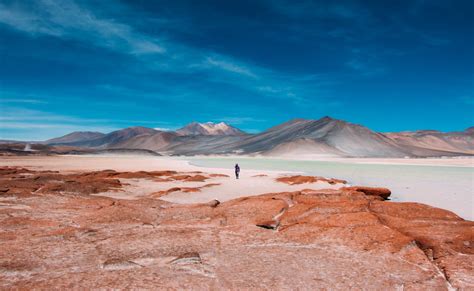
{"type": "Point", "coordinates": [311, 239]}
{"type": "Point", "coordinates": [374, 191]}
{"type": "Point", "coordinates": [20, 181]}
{"type": "Point", "coordinates": [183, 189]}
{"type": "Point", "coordinates": [298, 179]}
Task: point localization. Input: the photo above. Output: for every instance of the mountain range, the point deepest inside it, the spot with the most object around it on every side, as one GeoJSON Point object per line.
{"type": "Point", "coordinates": [325, 137]}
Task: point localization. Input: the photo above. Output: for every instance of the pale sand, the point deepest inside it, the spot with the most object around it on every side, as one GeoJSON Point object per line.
{"type": "Point", "coordinates": [228, 189]}
{"type": "Point", "coordinates": [461, 202]}
{"type": "Point", "coordinates": [72, 163]}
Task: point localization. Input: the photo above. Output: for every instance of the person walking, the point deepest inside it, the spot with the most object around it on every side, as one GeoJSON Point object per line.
{"type": "Point", "coordinates": [237, 171]}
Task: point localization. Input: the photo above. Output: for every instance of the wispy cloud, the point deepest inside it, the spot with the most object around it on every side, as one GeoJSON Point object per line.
{"type": "Point", "coordinates": [269, 89]}
{"type": "Point", "coordinates": [25, 124]}
{"type": "Point", "coordinates": [152, 55]}
{"type": "Point", "coordinates": [16, 114]}
{"type": "Point", "coordinates": [28, 124]}
{"type": "Point", "coordinates": [36, 125]}
{"type": "Point", "coordinates": [29, 101]}
{"type": "Point", "coordinates": [229, 67]}
{"type": "Point", "coordinates": [33, 131]}
{"type": "Point", "coordinates": [12, 97]}
{"type": "Point", "coordinates": [66, 19]}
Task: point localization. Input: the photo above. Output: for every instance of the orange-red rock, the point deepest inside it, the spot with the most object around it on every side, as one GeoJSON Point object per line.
{"type": "Point", "coordinates": [183, 189]}
{"type": "Point", "coordinates": [218, 176]}
{"type": "Point", "coordinates": [375, 191]}
{"type": "Point", "coordinates": [312, 239]}
{"type": "Point", "coordinates": [299, 179]}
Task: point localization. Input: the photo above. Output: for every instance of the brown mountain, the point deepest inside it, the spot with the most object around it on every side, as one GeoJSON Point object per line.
{"type": "Point", "coordinates": [326, 136]}
{"type": "Point", "coordinates": [155, 141]}
{"type": "Point", "coordinates": [77, 136]}
{"type": "Point", "coordinates": [296, 138]}
{"type": "Point", "coordinates": [116, 137]}
{"type": "Point", "coordinates": [433, 140]}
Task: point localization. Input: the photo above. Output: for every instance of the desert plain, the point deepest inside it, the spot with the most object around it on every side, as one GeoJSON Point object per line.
{"type": "Point", "coordinates": [139, 222]}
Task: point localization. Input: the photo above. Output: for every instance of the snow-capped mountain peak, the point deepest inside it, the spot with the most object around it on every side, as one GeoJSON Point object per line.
{"type": "Point", "coordinates": [209, 128]}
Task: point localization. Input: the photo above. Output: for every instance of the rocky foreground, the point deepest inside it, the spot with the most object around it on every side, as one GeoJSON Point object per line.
{"type": "Point", "coordinates": [55, 232]}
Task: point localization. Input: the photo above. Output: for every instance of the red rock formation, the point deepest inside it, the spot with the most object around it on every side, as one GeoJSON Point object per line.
{"type": "Point", "coordinates": [375, 191]}
{"type": "Point", "coordinates": [182, 189]}
{"type": "Point", "coordinates": [189, 178]}
{"type": "Point", "coordinates": [25, 183]}
{"type": "Point", "coordinates": [299, 179]}
{"type": "Point", "coordinates": [20, 181]}
{"type": "Point", "coordinates": [218, 176]}
{"type": "Point", "coordinates": [311, 239]}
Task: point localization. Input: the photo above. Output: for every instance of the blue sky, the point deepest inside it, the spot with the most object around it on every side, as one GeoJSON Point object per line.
{"type": "Point", "coordinates": [69, 65]}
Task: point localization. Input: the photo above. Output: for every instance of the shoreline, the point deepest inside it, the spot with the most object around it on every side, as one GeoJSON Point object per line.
{"type": "Point", "coordinates": [430, 184]}
{"type": "Point", "coordinates": [462, 161]}
{"type": "Point", "coordinates": [418, 191]}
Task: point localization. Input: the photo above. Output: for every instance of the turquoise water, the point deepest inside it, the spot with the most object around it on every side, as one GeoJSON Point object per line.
{"type": "Point", "coordinates": [447, 187]}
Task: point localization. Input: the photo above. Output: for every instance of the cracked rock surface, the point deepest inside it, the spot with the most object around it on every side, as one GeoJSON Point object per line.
{"type": "Point", "coordinates": [66, 237]}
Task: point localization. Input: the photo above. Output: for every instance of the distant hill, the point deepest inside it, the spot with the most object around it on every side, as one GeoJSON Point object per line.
{"type": "Point", "coordinates": [325, 137]}
{"type": "Point", "coordinates": [114, 138]}
{"type": "Point", "coordinates": [423, 140]}
{"type": "Point", "coordinates": [209, 128]}
{"type": "Point", "coordinates": [77, 136]}
{"type": "Point", "coordinates": [155, 141]}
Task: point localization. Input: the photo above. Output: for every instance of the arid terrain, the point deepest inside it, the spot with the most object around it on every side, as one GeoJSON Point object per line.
{"type": "Point", "coordinates": [297, 139]}
{"type": "Point", "coordinates": [67, 222]}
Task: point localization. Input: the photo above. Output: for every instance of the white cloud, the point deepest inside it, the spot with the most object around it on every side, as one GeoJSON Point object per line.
{"type": "Point", "coordinates": [230, 67]}
{"type": "Point", "coordinates": [36, 125]}
{"type": "Point", "coordinates": [268, 89]}
{"type": "Point", "coordinates": [13, 100]}
{"type": "Point", "coordinates": [26, 124]}
{"type": "Point", "coordinates": [68, 20]}
{"type": "Point", "coordinates": [64, 18]}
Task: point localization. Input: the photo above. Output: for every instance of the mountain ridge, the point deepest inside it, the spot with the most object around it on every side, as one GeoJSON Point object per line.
{"type": "Point", "coordinates": [324, 137]}
{"type": "Point", "coordinates": [76, 136]}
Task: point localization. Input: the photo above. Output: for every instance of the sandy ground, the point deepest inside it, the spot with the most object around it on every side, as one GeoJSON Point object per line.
{"type": "Point", "coordinates": [251, 182]}
{"type": "Point", "coordinates": [73, 163]}
{"type": "Point", "coordinates": [229, 188]}
{"type": "Point", "coordinates": [460, 199]}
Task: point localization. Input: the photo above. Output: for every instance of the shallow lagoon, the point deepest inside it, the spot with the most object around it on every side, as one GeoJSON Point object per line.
{"type": "Point", "coordinates": [448, 187]}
